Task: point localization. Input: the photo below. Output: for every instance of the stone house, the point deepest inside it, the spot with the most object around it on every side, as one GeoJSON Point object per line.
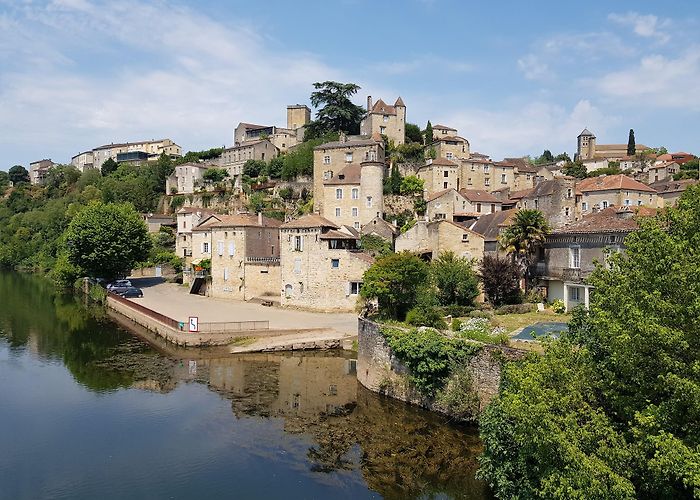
{"type": "Point", "coordinates": [570, 253]}
{"type": "Point", "coordinates": [556, 199]}
{"type": "Point", "coordinates": [244, 250]}
{"type": "Point", "coordinates": [233, 159]}
{"type": "Point", "coordinates": [381, 228]}
{"type": "Point", "coordinates": [659, 172]}
{"type": "Point", "coordinates": [83, 161]}
{"type": "Point", "coordinates": [298, 117]}
{"type": "Point", "coordinates": [438, 175]}
{"type": "Point", "coordinates": [598, 193]}
{"type": "Point", "coordinates": [669, 191]}
{"type": "Point", "coordinates": [187, 218]}
{"type": "Point", "coordinates": [443, 131]}
{"type": "Point", "coordinates": [321, 265]}
{"type": "Point", "coordinates": [451, 147]}
{"type": "Point", "coordinates": [431, 238]}
{"type": "Point", "coordinates": [349, 180]}
{"type": "Point", "coordinates": [150, 150]}
{"type": "Point", "coordinates": [384, 119]}
{"type": "Point", "coordinates": [679, 157]}
{"type": "Point", "coordinates": [588, 148]}
{"type": "Point", "coordinates": [461, 205]}
{"type": "Point", "coordinates": [186, 178]}
{"type": "Point", "coordinates": [38, 170]}
{"type": "Point", "coordinates": [490, 227]}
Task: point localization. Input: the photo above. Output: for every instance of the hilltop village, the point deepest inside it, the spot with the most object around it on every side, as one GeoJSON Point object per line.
{"type": "Point", "coordinates": [251, 224]}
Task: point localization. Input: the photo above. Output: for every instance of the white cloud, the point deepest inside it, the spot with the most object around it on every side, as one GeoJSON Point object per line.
{"type": "Point", "coordinates": [656, 81]}
{"type": "Point", "coordinates": [648, 26]}
{"type": "Point", "coordinates": [194, 80]}
{"type": "Point", "coordinates": [422, 64]}
{"type": "Point", "coordinates": [527, 129]}
{"type": "Point", "coordinates": [533, 68]}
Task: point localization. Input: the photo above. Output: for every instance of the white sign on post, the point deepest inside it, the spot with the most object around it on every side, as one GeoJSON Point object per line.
{"type": "Point", "coordinates": [194, 324]}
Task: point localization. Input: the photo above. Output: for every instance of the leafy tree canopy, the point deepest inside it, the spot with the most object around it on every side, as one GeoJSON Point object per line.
{"type": "Point", "coordinates": [105, 240]}
{"type": "Point", "coordinates": [109, 166]}
{"type": "Point", "coordinates": [18, 174]}
{"type": "Point", "coordinates": [428, 134]}
{"type": "Point", "coordinates": [575, 169]}
{"type": "Point", "coordinates": [336, 112]}
{"type": "Point", "coordinates": [412, 185]}
{"type": "Point", "coordinates": [455, 280]}
{"type": "Point", "coordinates": [216, 174]}
{"type": "Point", "coordinates": [500, 278]}
{"type": "Point", "coordinates": [413, 133]}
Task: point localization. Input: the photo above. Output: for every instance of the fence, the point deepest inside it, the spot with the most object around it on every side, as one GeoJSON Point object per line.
{"type": "Point", "coordinates": [233, 326]}
{"type": "Point", "coordinates": [145, 310]}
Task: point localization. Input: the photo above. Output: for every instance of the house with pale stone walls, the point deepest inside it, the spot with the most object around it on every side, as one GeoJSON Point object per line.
{"type": "Point", "coordinates": [321, 265]}
{"type": "Point", "coordinates": [661, 172]}
{"type": "Point", "coordinates": [386, 120]}
{"type": "Point", "coordinates": [244, 250]}
{"type": "Point", "coordinates": [186, 219]}
{"type": "Point", "coordinates": [461, 205]}
{"type": "Point", "coordinates": [298, 117]}
{"type": "Point", "coordinates": [83, 161]}
{"type": "Point", "coordinates": [186, 178]}
{"type": "Point", "coordinates": [452, 147]}
{"type": "Point", "coordinates": [598, 193]}
{"type": "Point", "coordinates": [431, 238]}
{"type": "Point", "coordinates": [233, 159]}
{"type": "Point", "coordinates": [39, 170]}
{"type": "Point", "coordinates": [669, 191]}
{"type": "Point", "coordinates": [381, 228]}
{"type": "Point", "coordinates": [555, 198]}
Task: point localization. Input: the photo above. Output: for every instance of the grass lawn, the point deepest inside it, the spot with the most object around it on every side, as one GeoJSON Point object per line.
{"type": "Point", "coordinates": [513, 323]}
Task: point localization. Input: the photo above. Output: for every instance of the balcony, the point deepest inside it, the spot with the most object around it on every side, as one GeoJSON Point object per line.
{"type": "Point", "coordinates": [571, 274]}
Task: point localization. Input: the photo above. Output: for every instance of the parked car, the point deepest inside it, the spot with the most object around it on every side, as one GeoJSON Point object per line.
{"type": "Point", "coordinates": [118, 284]}
{"type": "Point", "coordinates": [131, 292]}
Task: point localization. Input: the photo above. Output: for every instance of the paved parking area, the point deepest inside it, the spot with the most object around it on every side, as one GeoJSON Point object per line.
{"type": "Point", "coordinates": [174, 301]}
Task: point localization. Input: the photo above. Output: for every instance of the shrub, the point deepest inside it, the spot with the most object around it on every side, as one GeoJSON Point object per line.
{"type": "Point", "coordinates": [456, 325]}
{"type": "Point", "coordinates": [558, 306]}
{"type": "Point", "coordinates": [534, 296]}
{"type": "Point", "coordinates": [516, 309]}
{"type": "Point", "coordinates": [501, 280]}
{"type": "Point", "coordinates": [456, 311]}
{"type": "Point", "coordinates": [458, 395]}
{"type": "Point", "coordinates": [423, 315]}
{"type": "Point", "coordinates": [481, 330]}
{"type": "Point", "coordinates": [480, 314]}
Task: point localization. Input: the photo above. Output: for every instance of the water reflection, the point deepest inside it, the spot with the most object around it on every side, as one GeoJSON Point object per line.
{"type": "Point", "coordinates": [398, 451]}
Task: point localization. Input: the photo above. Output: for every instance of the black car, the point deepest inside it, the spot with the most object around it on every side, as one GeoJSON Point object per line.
{"type": "Point", "coordinates": [131, 292]}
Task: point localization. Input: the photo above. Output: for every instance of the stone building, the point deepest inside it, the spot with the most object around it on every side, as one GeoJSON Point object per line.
{"type": "Point", "coordinates": [186, 178]}
{"type": "Point", "coordinates": [321, 265]}
{"type": "Point", "coordinates": [38, 170]}
{"type": "Point", "coordinates": [570, 253]}
{"type": "Point", "coordinates": [555, 198]}
{"type": "Point", "coordinates": [150, 150]}
{"type": "Point", "coordinates": [431, 238]}
{"type": "Point", "coordinates": [598, 193]}
{"type": "Point", "coordinates": [349, 180]}
{"type": "Point", "coordinates": [384, 119]}
{"type": "Point", "coordinates": [244, 250]}
{"type": "Point", "coordinates": [298, 117]}
{"type": "Point", "coordinates": [661, 172]}
{"type": "Point", "coordinates": [187, 218]}
{"type": "Point", "coordinates": [381, 228]}
{"type": "Point", "coordinates": [438, 175]}
{"type": "Point", "coordinates": [490, 227]}
{"type": "Point", "coordinates": [669, 191]}
{"type": "Point", "coordinates": [443, 131]}
{"type": "Point", "coordinates": [83, 161]}
{"type": "Point", "coordinates": [233, 159]}
{"type": "Point", "coordinates": [461, 205]}
{"type": "Point", "coordinates": [451, 147]}
{"type": "Point", "coordinates": [588, 148]}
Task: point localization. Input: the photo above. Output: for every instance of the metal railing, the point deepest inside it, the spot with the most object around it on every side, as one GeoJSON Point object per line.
{"type": "Point", "coordinates": [265, 260]}
{"type": "Point", "coordinates": [233, 326]}
{"type": "Point", "coordinates": [145, 310]}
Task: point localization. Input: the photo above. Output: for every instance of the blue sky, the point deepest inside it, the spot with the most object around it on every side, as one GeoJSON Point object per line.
{"type": "Point", "coordinates": [75, 74]}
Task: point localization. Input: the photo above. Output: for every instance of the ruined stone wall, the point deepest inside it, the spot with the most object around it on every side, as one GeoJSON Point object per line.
{"type": "Point", "coordinates": [379, 370]}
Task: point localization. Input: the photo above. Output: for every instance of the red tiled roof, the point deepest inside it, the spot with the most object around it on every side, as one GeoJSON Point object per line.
{"type": "Point", "coordinates": [612, 182]}
{"type": "Point", "coordinates": [348, 175]}
{"type": "Point", "coordinates": [479, 195]}
{"type": "Point", "coordinates": [311, 220]}
{"type": "Point", "coordinates": [443, 161]}
{"type": "Point", "coordinates": [608, 220]}
{"type": "Point", "coordinates": [383, 108]}
{"type": "Point", "coordinates": [239, 220]}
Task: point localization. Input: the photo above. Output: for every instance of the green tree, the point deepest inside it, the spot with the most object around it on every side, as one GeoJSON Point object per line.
{"type": "Point", "coordinates": [61, 178]}
{"type": "Point", "coordinates": [455, 280]}
{"type": "Point", "coordinates": [524, 235]}
{"type": "Point", "coordinates": [500, 278]}
{"type": "Point", "coordinates": [428, 134]}
{"type": "Point", "coordinates": [164, 168]}
{"type": "Point", "coordinates": [631, 146]}
{"type": "Point", "coordinates": [562, 157]}
{"type": "Point", "coordinates": [411, 185]}
{"type": "Point", "coordinates": [375, 245]}
{"type": "Point", "coordinates": [394, 281]}
{"type": "Point", "coordinates": [546, 157]}
{"type": "Point", "coordinates": [256, 202]}
{"type": "Point", "coordinates": [336, 112]}
{"type": "Point", "coordinates": [612, 410]}
{"type": "Point", "coordinates": [413, 133]}
{"type": "Point", "coordinates": [109, 166]}
{"type": "Point", "coordinates": [106, 240]}
{"type": "Point", "coordinates": [254, 168]}
{"type": "Point", "coordinates": [575, 169]}
{"type": "Point", "coordinates": [215, 174]}
{"type": "Point", "coordinates": [4, 180]}
{"type": "Point", "coordinates": [18, 174]}
{"type": "Point", "coordinates": [275, 166]}
{"type": "Point", "coordinates": [395, 180]}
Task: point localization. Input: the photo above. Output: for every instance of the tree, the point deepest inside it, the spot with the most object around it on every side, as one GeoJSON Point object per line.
{"type": "Point", "coordinates": [256, 202]}
{"type": "Point", "coordinates": [631, 147]}
{"type": "Point", "coordinates": [455, 280]}
{"type": "Point", "coordinates": [611, 410]}
{"type": "Point", "coordinates": [546, 157]}
{"type": "Point", "coordinates": [525, 233]}
{"type": "Point", "coordinates": [500, 278]}
{"type": "Point", "coordinates": [61, 178]}
{"type": "Point", "coordinates": [575, 169]}
{"type": "Point", "coordinates": [18, 174]}
{"type": "Point", "coordinates": [412, 185]}
{"type": "Point", "coordinates": [336, 112]}
{"type": "Point", "coordinates": [275, 166]}
{"type": "Point", "coordinates": [254, 168]}
{"type": "Point", "coordinates": [109, 166]}
{"type": "Point", "coordinates": [375, 245]}
{"type": "Point", "coordinates": [562, 157]}
{"type": "Point", "coordinates": [413, 133]}
{"type": "Point", "coordinates": [106, 240]}
{"type": "Point", "coordinates": [395, 180]}
{"type": "Point", "coordinates": [428, 134]}
{"type": "Point", "coordinates": [4, 179]}
{"type": "Point", "coordinates": [215, 174]}
{"type": "Point", "coordinates": [395, 281]}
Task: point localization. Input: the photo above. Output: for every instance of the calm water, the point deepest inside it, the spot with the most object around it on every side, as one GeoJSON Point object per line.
{"type": "Point", "coordinates": [88, 410]}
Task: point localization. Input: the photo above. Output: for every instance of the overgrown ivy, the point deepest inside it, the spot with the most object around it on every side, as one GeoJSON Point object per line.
{"type": "Point", "coordinates": [430, 356]}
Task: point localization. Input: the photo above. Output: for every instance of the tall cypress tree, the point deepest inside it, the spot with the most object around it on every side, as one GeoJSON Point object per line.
{"type": "Point", "coordinates": [428, 133]}
{"type": "Point", "coordinates": [631, 146]}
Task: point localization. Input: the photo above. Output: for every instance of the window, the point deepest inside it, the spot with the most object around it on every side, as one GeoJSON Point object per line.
{"type": "Point", "coordinates": [299, 243]}
{"type": "Point", "coordinates": [503, 178]}
{"type": "Point", "coordinates": [369, 202]}
{"type": "Point", "coordinates": [231, 249]}
{"type": "Point", "coordinates": [446, 173]}
{"type": "Point", "coordinates": [473, 167]}
{"type": "Point", "coordinates": [348, 157]}
{"type": "Point", "coordinates": [355, 211]}
{"type": "Point", "coordinates": [605, 203]}
{"type": "Point", "coordinates": [355, 193]}
{"type": "Point", "coordinates": [339, 194]}
{"type": "Point", "coordinates": [382, 130]}
{"type": "Point", "coordinates": [566, 211]}
{"type": "Point", "coordinates": [575, 257]}
{"type": "Point", "coordinates": [639, 202]}
{"type": "Point", "coordinates": [327, 160]}
{"type": "Point", "coordinates": [220, 248]}
{"type": "Point", "coordinates": [486, 168]}
{"type": "Point", "coordinates": [465, 237]}
{"type": "Point", "coordinates": [205, 247]}
{"type": "Point", "coordinates": [288, 291]}
{"type": "Point", "coordinates": [385, 118]}
{"type": "Point", "coordinates": [584, 206]}
{"type": "Point", "coordinates": [356, 225]}
{"type": "Point", "coordinates": [568, 193]}
{"type": "Point", "coordinates": [574, 293]}
{"type": "Point", "coordinates": [444, 185]}
{"type": "Point", "coordinates": [627, 203]}
{"type": "Point", "coordinates": [478, 208]}
{"type": "Point", "coordinates": [469, 181]}
{"type": "Point", "coordinates": [355, 287]}
{"type": "Point", "coordinates": [337, 211]}
{"type": "Point", "coordinates": [225, 273]}
{"type": "Point", "coordinates": [487, 182]}
{"type": "Point", "coordinates": [448, 155]}
{"type": "Point", "coordinates": [297, 265]}
{"type": "Point", "coordinates": [335, 263]}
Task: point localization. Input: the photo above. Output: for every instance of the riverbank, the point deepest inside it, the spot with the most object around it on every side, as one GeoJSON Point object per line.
{"type": "Point", "coordinates": [237, 326]}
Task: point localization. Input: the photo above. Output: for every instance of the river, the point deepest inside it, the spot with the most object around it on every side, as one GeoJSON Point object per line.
{"type": "Point", "coordinates": [91, 410]}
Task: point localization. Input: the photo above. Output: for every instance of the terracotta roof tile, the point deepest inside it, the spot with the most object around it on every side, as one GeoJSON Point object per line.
{"type": "Point", "coordinates": [443, 162]}
{"type": "Point", "coordinates": [479, 195]}
{"type": "Point", "coordinates": [311, 220]}
{"type": "Point", "coordinates": [609, 220]}
{"type": "Point", "coordinates": [348, 175]}
{"type": "Point", "coordinates": [612, 182]}
{"type": "Point", "coordinates": [489, 225]}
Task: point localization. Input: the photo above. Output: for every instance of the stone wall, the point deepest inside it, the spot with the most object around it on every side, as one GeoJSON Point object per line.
{"type": "Point", "coordinates": [379, 370]}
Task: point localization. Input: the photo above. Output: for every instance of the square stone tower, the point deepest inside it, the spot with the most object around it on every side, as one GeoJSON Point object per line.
{"type": "Point", "coordinates": [298, 116]}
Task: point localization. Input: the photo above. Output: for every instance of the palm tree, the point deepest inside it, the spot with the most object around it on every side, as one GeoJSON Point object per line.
{"type": "Point", "coordinates": [521, 238]}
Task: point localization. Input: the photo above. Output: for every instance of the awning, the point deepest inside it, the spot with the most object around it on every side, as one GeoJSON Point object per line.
{"type": "Point", "coordinates": [196, 262]}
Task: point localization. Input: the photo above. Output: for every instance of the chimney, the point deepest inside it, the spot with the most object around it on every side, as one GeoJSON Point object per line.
{"type": "Point", "coordinates": [369, 103]}
{"type": "Point", "coordinates": [260, 219]}
{"type": "Point", "coordinates": [342, 137]}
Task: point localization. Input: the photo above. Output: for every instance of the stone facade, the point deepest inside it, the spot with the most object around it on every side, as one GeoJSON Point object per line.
{"type": "Point", "coordinates": [186, 178]}
{"type": "Point", "coordinates": [152, 150]}
{"type": "Point", "coordinates": [588, 148]}
{"type": "Point", "coordinates": [430, 239]}
{"type": "Point", "coordinates": [451, 147]}
{"type": "Point", "coordinates": [38, 170]}
{"type": "Point", "coordinates": [556, 199]}
{"type": "Point", "coordinates": [233, 159]}
{"type": "Point", "coordinates": [598, 193]}
{"type": "Point", "coordinates": [83, 161]}
{"type": "Point", "coordinates": [384, 119]}
{"type": "Point", "coordinates": [321, 265]}
{"type": "Point", "coordinates": [669, 191]}
{"type": "Point", "coordinates": [379, 370]}
{"type": "Point", "coordinates": [661, 172]}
